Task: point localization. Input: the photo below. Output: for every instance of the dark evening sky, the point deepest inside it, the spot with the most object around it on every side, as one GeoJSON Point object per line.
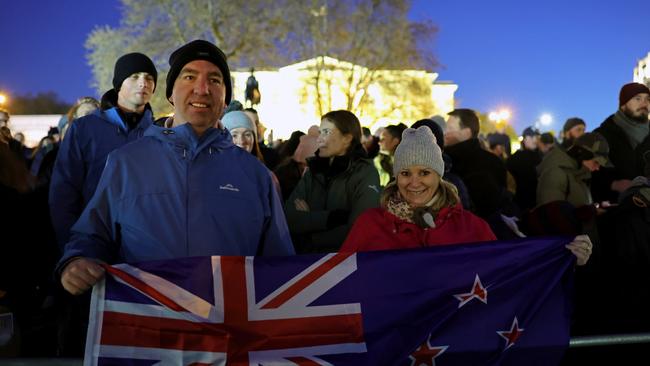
{"type": "Point", "coordinates": [566, 58]}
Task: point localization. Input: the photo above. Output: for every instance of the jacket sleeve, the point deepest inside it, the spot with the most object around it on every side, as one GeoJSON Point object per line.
{"type": "Point", "coordinates": [276, 240]}
{"type": "Point", "coordinates": [357, 238]}
{"type": "Point", "coordinates": [302, 222]}
{"type": "Point", "coordinates": [65, 197]}
{"type": "Point", "coordinates": [552, 186]}
{"type": "Point", "coordinates": [364, 193]}
{"type": "Point", "coordinates": [96, 233]}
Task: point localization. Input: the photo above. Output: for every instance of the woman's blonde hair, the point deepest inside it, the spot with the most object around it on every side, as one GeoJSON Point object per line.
{"type": "Point", "coordinates": [445, 196]}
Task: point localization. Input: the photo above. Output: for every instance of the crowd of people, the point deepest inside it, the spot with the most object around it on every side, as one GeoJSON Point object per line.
{"type": "Point", "coordinates": [121, 186]}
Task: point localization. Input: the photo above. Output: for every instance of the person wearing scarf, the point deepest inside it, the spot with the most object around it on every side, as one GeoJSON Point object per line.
{"type": "Point", "coordinates": [628, 134]}
{"type": "Point", "coordinates": [419, 209]}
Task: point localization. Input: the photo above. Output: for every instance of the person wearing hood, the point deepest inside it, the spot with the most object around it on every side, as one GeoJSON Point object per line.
{"type": "Point", "coordinates": [339, 184]}
{"type": "Point", "coordinates": [564, 174]}
{"type": "Point", "coordinates": [182, 190]}
{"type": "Point", "coordinates": [123, 117]}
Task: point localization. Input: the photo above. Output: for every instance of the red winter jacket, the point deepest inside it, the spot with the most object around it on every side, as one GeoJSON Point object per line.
{"type": "Point", "coordinates": [378, 229]}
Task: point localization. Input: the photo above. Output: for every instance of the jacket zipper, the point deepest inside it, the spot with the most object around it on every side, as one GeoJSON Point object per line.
{"type": "Point", "coordinates": [187, 203]}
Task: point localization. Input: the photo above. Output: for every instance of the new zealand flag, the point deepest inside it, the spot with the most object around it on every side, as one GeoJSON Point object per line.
{"type": "Point", "coordinates": [496, 303]}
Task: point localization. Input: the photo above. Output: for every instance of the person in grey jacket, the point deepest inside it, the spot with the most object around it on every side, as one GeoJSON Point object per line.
{"type": "Point", "coordinates": [563, 174]}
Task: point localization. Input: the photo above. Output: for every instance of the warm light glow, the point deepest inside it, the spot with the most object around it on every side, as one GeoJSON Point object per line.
{"type": "Point", "coordinates": [290, 99]}
{"type": "Point", "coordinates": [3, 99]}
{"type": "Point", "coordinates": [546, 119]}
{"type": "Point", "coordinates": [502, 116]}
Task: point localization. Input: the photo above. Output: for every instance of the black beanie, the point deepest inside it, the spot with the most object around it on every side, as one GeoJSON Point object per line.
{"type": "Point", "coordinates": [133, 63]}
{"type": "Point", "coordinates": [435, 128]}
{"type": "Point", "coordinates": [198, 50]}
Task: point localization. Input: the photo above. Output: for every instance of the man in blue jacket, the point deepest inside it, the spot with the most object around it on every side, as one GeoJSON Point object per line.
{"type": "Point", "coordinates": [182, 190]}
{"type": "Point", "coordinates": [123, 117]}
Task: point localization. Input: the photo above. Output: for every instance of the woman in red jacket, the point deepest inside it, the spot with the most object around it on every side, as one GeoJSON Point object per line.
{"type": "Point", "coordinates": [420, 209]}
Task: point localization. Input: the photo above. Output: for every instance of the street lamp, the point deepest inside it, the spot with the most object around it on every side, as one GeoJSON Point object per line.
{"type": "Point", "coordinates": [3, 99]}
{"type": "Point", "coordinates": [546, 119]}
{"type": "Point", "coordinates": [500, 118]}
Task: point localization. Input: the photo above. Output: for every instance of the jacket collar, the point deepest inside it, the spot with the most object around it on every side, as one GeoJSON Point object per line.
{"type": "Point", "coordinates": [466, 149]}
{"type": "Point", "coordinates": [213, 139]}
{"type": "Point", "coordinates": [108, 112]}
{"type": "Point", "coordinates": [339, 165]}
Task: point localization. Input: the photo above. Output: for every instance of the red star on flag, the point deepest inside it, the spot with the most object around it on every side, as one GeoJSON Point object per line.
{"type": "Point", "coordinates": [426, 354]}
{"type": "Point", "coordinates": [478, 292]}
{"type": "Point", "coordinates": [511, 335]}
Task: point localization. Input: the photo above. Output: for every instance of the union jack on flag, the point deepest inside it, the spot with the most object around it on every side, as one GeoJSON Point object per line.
{"type": "Point", "coordinates": [497, 303]}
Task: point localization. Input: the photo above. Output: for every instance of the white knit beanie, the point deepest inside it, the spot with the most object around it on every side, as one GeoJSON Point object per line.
{"type": "Point", "coordinates": [418, 147]}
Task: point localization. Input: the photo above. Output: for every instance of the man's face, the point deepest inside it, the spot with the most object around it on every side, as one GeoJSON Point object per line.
{"type": "Point", "coordinates": [199, 95]}
{"type": "Point", "coordinates": [575, 132]}
{"type": "Point", "coordinates": [544, 147]}
{"type": "Point", "coordinates": [530, 142]}
{"type": "Point", "coordinates": [4, 119]}
{"type": "Point", "coordinates": [637, 107]}
{"type": "Point", "coordinates": [136, 91]}
{"type": "Point", "coordinates": [454, 133]}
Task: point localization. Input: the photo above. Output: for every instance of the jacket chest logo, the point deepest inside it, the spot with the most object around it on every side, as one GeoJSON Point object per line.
{"type": "Point", "coordinates": [229, 187]}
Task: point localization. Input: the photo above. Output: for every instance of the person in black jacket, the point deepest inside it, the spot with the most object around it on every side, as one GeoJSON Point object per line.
{"type": "Point", "coordinates": [522, 166]}
{"type": "Point", "coordinates": [627, 133]}
{"type": "Point", "coordinates": [484, 174]}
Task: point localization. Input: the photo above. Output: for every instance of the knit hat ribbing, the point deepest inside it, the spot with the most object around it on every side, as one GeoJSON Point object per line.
{"type": "Point", "coordinates": [629, 91]}
{"type": "Point", "coordinates": [418, 147]}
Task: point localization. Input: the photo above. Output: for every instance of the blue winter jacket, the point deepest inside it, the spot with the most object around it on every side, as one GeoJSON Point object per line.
{"type": "Point", "coordinates": [80, 162]}
{"type": "Point", "coordinates": [172, 194]}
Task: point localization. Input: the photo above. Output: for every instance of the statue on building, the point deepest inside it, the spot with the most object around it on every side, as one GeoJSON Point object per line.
{"type": "Point", "coordinates": [252, 90]}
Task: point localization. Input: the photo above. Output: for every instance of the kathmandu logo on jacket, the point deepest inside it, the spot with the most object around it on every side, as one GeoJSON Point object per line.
{"type": "Point", "coordinates": [229, 187]}
{"type": "Point", "coordinates": [374, 188]}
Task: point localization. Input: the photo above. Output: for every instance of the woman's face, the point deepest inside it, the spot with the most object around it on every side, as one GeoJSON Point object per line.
{"type": "Point", "coordinates": [243, 138]}
{"type": "Point", "coordinates": [331, 142]}
{"type": "Point", "coordinates": [417, 184]}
